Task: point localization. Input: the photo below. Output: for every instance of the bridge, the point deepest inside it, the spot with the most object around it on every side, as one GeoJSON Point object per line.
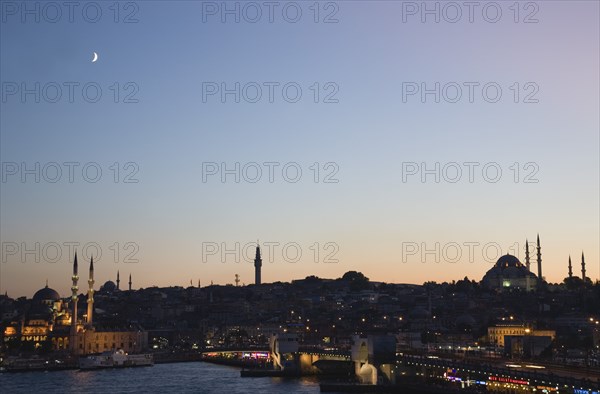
{"type": "Point", "coordinates": [367, 359]}
{"type": "Point", "coordinates": [371, 363]}
{"type": "Point", "coordinates": [331, 354]}
{"type": "Point", "coordinates": [537, 376]}
{"type": "Point", "coordinates": [309, 359]}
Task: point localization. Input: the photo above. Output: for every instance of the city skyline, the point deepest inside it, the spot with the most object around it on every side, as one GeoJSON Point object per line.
{"type": "Point", "coordinates": [256, 272]}
{"type": "Point", "coordinates": [178, 156]}
{"type": "Point", "coordinates": [300, 196]}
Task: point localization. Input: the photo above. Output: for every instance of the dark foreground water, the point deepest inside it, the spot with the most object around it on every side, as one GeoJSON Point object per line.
{"type": "Point", "coordinates": [193, 377]}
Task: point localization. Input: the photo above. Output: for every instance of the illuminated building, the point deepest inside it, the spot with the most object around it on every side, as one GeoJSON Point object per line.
{"type": "Point", "coordinates": [100, 339]}
{"type": "Point", "coordinates": [56, 324]}
{"type": "Point", "coordinates": [509, 273]}
{"type": "Point", "coordinates": [497, 334]}
{"type": "Point", "coordinates": [46, 322]}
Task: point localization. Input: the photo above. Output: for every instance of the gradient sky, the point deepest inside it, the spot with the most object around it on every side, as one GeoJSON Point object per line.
{"type": "Point", "coordinates": [369, 133]}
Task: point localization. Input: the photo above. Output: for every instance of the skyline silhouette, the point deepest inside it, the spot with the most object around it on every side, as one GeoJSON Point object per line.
{"type": "Point", "coordinates": [201, 135]}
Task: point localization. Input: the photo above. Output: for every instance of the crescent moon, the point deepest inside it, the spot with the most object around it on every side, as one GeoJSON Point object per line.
{"type": "Point", "coordinates": [95, 57]}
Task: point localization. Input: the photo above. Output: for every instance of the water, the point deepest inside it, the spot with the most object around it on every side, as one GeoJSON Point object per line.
{"type": "Point", "coordinates": [193, 377]}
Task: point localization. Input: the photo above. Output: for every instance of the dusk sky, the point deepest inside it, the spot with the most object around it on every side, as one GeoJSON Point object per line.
{"type": "Point", "coordinates": [367, 207]}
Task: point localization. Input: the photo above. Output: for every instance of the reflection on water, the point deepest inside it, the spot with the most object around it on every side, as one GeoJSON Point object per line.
{"type": "Point", "coordinates": [195, 377]}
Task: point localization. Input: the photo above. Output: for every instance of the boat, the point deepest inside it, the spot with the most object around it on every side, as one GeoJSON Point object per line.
{"type": "Point", "coordinates": [115, 359]}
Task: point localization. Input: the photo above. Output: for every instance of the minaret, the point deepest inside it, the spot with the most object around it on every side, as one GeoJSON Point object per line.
{"type": "Point", "coordinates": [118, 280]}
{"type": "Point", "coordinates": [129, 281]}
{"type": "Point", "coordinates": [74, 299]}
{"type": "Point", "coordinates": [539, 258]}
{"type": "Point", "coordinates": [257, 266]}
{"type": "Point", "coordinates": [570, 268]}
{"type": "Point", "coordinates": [527, 263]}
{"type": "Point", "coordinates": [90, 298]}
{"type": "Point", "coordinates": [582, 268]}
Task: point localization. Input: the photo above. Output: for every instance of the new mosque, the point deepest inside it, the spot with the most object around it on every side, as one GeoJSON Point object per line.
{"type": "Point", "coordinates": [58, 323]}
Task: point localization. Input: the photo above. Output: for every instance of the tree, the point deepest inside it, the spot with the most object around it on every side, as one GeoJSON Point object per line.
{"type": "Point", "coordinates": [351, 276]}
{"type": "Point", "coordinates": [357, 280]}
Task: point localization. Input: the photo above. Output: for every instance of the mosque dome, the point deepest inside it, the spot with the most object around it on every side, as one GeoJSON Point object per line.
{"type": "Point", "coordinates": [509, 272]}
{"type": "Point", "coordinates": [109, 286]}
{"type": "Point", "coordinates": [46, 294]}
{"type": "Point", "coordinates": [508, 261]}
